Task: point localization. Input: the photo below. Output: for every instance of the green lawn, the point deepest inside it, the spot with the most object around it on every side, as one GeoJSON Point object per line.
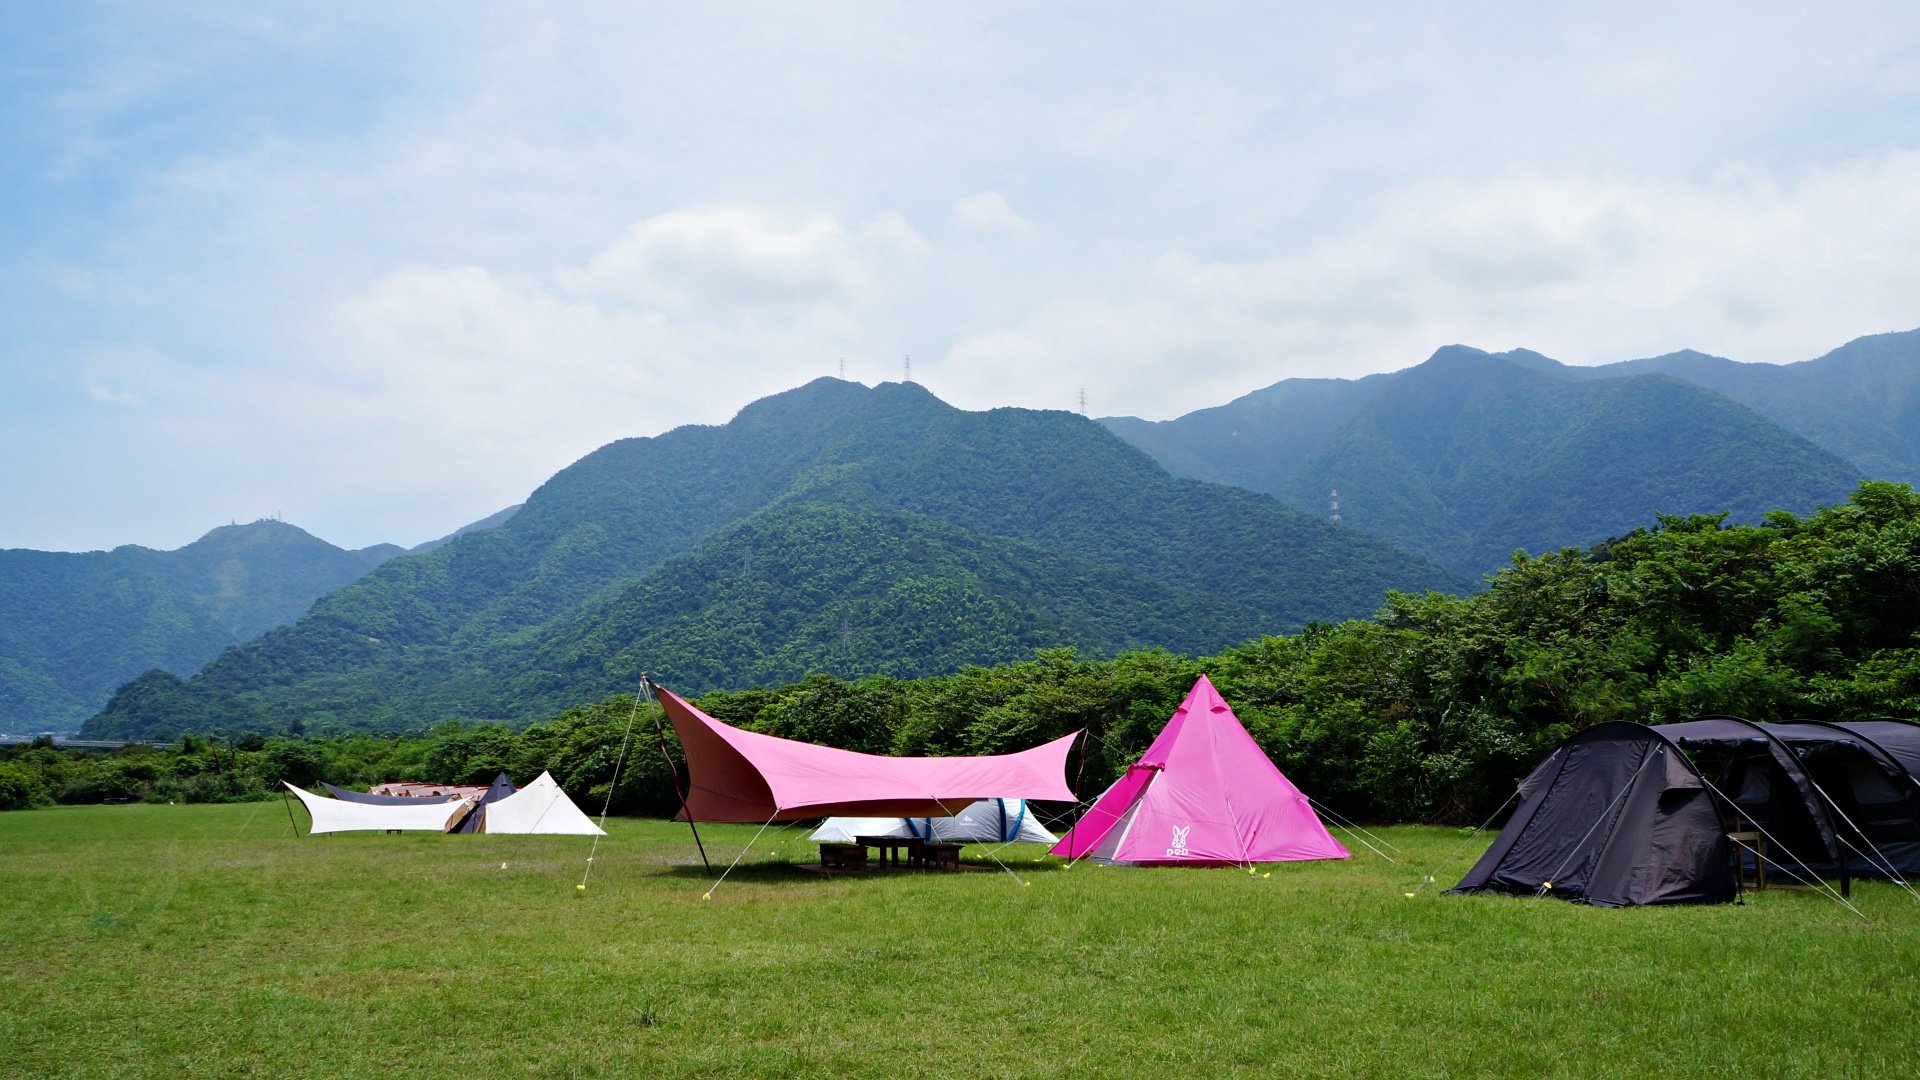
{"type": "Point", "coordinates": [210, 941]}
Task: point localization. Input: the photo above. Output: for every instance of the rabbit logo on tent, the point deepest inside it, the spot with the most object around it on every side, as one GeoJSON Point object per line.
{"type": "Point", "coordinates": [1179, 848]}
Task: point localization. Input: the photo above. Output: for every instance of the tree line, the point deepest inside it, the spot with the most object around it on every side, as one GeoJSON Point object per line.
{"type": "Point", "coordinates": [1429, 711]}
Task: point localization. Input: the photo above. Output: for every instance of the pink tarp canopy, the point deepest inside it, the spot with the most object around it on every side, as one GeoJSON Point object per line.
{"type": "Point", "coordinates": [740, 775]}
{"type": "Point", "coordinates": [1203, 793]}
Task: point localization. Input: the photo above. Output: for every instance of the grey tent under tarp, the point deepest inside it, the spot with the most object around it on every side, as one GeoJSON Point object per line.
{"type": "Point", "coordinates": [499, 789]}
{"type": "Point", "coordinates": [1624, 813]}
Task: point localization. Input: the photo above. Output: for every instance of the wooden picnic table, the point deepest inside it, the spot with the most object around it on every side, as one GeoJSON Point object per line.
{"type": "Point", "coordinates": [888, 849]}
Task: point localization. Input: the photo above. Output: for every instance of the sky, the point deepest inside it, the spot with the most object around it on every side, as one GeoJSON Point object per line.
{"type": "Point", "coordinates": [379, 270]}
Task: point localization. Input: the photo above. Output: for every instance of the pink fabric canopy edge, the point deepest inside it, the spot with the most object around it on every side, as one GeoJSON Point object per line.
{"type": "Point", "coordinates": [737, 775]}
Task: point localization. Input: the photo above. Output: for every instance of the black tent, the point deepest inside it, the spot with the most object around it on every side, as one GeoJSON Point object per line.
{"type": "Point", "coordinates": [1616, 815]}
{"type": "Point", "coordinates": [1626, 813]}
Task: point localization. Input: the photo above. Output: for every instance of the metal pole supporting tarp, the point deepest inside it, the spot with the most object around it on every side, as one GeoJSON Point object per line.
{"type": "Point", "coordinates": [685, 811]}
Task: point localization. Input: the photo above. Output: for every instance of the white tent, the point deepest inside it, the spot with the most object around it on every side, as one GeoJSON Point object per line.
{"type": "Point", "coordinates": [540, 807]}
{"type": "Point", "coordinates": [986, 821]}
{"type": "Point", "coordinates": [339, 815]}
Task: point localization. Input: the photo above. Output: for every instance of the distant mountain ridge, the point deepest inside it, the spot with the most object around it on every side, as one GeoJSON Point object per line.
{"type": "Point", "coordinates": [491, 521]}
{"type": "Point", "coordinates": [1471, 455]}
{"type": "Point", "coordinates": [74, 626]}
{"type": "Point", "coordinates": [832, 527]}
{"type": "Point", "coordinates": [1861, 401]}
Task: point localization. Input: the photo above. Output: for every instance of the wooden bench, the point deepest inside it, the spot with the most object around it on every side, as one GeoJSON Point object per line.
{"type": "Point", "coordinates": [940, 856]}
{"type": "Point", "coordinates": [843, 856]}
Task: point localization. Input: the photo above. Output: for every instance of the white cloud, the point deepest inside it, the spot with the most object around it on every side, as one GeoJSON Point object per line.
{"type": "Point", "coordinates": [684, 318]}
{"type": "Point", "coordinates": [389, 261]}
{"type": "Point", "coordinates": [1587, 270]}
{"type": "Point", "coordinates": [988, 212]}
{"type": "Point", "coordinates": [740, 257]}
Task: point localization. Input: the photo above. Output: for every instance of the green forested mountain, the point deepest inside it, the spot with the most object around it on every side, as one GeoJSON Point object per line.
{"type": "Point", "coordinates": [1471, 456]}
{"type": "Point", "coordinates": [833, 527]}
{"type": "Point", "coordinates": [1860, 401]}
{"type": "Point", "coordinates": [75, 626]}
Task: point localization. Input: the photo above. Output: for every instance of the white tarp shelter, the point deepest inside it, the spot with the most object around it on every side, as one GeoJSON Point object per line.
{"type": "Point", "coordinates": [540, 807]}
{"type": "Point", "coordinates": [339, 815]}
{"type": "Point", "coordinates": [986, 821]}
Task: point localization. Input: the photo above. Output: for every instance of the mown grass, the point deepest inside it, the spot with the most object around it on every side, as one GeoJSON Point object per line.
{"type": "Point", "coordinates": [210, 941]}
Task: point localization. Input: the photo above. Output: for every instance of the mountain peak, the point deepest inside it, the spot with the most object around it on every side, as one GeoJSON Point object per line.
{"type": "Point", "coordinates": [1457, 354]}
{"type": "Point", "coordinates": [260, 530]}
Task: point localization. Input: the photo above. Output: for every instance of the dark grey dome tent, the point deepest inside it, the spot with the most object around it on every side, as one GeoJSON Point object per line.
{"type": "Point", "coordinates": [1616, 815]}
{"type": "Point", "coordinates": [1625, 813]}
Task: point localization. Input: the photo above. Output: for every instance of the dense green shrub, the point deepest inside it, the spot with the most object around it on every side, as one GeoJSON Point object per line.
{"type": "Point", "coordinates": [21, 787]}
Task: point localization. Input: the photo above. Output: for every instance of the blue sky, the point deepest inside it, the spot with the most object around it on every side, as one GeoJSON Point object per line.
{"type": "Point", "coordinates": [381, 269]}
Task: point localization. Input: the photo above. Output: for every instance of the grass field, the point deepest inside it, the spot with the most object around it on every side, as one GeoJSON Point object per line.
{"type": "Point", "coordinates": [210, 941]}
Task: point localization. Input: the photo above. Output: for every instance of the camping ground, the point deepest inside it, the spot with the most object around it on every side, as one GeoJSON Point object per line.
{"type": "Point", "coordinates": [210, 940]}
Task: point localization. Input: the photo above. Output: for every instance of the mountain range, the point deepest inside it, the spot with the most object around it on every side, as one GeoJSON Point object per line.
{"type": "Point", "coordinates": [1473, 455]}
{"type": "Point", "coordinates": [834, 527]}
{"type": "Point", "coordinates": [75, 626]}
{"type": "Point", "coordinates": [856, 530]}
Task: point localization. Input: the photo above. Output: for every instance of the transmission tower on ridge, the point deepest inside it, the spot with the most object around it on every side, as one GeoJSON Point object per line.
{"type": "Point", "coordinates": [1336, 506]}
{"type": "Point", "coordinates": [908, 365]}
{"type": "Point", "coordinates": [1083, 401]}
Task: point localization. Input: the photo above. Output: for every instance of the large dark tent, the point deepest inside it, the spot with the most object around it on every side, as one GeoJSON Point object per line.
{"type": "Point", "coordinates": [1616, 815]}
{"type": "Point", "coordinates": [1630, 814]}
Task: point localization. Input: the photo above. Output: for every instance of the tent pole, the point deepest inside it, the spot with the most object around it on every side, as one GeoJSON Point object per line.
{"type": "Point", "coordinates": [696, 840]}
{"type": "Point", "coordinates": [685, 812]}
{"type": "Point", "coordinates": [288, 803]}
{"type": "Point", "coordinates": [1079, 778]}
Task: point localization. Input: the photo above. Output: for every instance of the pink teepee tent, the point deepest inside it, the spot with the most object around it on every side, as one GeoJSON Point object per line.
{"type": "Point", "coordinates": [1203, 794]}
